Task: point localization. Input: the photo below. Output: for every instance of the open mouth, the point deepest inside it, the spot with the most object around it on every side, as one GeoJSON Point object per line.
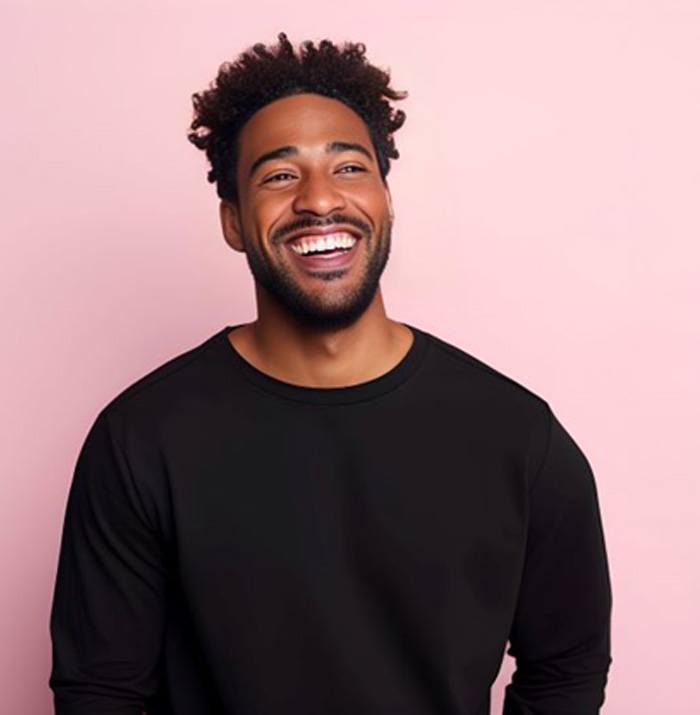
{"type": "Point", "coordinates": [329, 251]}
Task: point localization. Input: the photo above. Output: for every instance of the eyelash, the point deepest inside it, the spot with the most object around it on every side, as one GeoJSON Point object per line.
{"type": "Point", "coordinates": [286, 173]}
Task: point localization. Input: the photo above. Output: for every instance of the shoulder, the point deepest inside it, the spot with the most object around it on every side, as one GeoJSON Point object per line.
{"type": "Point", "coordinates": [165, 389]}
{"type": "Point", "coordinates": [461, 368]}
{"type": "Point", "coordinates": [503, 414]}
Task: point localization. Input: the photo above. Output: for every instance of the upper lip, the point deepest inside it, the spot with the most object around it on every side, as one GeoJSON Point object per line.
{"type": "Point", "coordinates": [323, 230]}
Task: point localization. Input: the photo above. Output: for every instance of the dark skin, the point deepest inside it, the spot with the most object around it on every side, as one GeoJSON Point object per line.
{"type": "Point", "coordinates": [314, 329]}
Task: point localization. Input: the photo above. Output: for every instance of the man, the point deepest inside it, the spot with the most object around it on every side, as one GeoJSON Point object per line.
{"type": "Point", "coordinates": [324, 511]}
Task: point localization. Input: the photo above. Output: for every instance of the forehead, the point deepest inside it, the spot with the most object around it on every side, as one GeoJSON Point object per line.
{"type": "Point", "coordinates": [303, 120]}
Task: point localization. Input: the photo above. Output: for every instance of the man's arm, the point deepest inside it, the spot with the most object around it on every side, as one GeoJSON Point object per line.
{"type": "Point", "coordinates": [107, 616]}
{"type": "Point", "coordinates": [560, 636]}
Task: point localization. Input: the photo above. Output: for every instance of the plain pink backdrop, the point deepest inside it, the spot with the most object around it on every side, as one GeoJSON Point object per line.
{"type": "Point", "coordinates": [547, 202]}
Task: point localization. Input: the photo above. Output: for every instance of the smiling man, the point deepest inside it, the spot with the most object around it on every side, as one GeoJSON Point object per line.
{"type": "Point", "coordinates": [324, 511]}
{"type": "Point", "coordinates": [313, 216]}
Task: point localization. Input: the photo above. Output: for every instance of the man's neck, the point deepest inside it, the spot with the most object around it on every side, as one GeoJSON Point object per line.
{"type": "Point", "coordinates": [370, 347]}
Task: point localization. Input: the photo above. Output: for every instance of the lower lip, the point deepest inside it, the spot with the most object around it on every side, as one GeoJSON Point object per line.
{"type": "Point", "coordinates": [326, 261]}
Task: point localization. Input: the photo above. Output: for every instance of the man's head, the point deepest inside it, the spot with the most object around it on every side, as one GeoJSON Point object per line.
{"type": "Point", "coordinates": [302, 142]}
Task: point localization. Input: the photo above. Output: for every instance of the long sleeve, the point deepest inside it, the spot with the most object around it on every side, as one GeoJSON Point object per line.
{"type": "Point", "coordinates": [108, 606]}
{"type": "Point", "coordinates": [560, 636]}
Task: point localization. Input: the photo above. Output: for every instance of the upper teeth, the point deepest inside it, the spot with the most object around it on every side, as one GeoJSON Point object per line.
{"type": "Point", "coordinates": [307, 244]}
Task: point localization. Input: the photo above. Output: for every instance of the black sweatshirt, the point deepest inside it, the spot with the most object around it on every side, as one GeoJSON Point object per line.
{"type": "Point", "coordinates": [238, 544]}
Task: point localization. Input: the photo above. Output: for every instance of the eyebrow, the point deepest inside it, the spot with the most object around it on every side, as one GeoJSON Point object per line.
{"type": "Point", "coordinates": [289, 150]}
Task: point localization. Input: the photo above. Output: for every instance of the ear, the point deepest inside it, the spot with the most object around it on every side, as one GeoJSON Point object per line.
{"type": "Point", "coordinates": [231, 225]}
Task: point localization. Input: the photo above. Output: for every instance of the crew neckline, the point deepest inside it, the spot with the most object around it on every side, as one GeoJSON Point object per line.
{"type": "Point", "coordinates": [358, 392]}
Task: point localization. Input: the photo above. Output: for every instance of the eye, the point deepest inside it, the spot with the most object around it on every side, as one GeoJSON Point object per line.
{"type": "Point", "coordinates": [353, 166]}
{"type": "Point", "coordinates": [276, 176]}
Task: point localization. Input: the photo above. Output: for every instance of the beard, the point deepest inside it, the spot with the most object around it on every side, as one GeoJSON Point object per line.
{"type": "Point", "coordinates": [310, 309]}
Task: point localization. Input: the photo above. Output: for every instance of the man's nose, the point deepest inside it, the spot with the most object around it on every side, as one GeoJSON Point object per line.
{"type": "Point", "coordinates": [316, 194]}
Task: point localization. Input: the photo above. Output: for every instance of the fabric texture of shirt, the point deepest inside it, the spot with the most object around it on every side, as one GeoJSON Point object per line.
{"type": "Point", "coordinates": [236, 544]}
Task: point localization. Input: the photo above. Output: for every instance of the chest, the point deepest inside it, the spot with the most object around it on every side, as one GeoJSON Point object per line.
{"type": "Point", "coordinates": [299, 501]}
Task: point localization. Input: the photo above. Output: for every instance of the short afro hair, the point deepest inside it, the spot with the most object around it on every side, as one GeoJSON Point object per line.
{"type": "Point", "coordinates": [261, 74]}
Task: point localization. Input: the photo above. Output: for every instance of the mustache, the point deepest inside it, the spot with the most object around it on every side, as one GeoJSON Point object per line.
{"type": "Point", "coordinates": [302, 223]}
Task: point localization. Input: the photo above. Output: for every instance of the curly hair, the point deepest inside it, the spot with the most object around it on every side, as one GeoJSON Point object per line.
{"type": "Point", "coordinates": [261, 74]}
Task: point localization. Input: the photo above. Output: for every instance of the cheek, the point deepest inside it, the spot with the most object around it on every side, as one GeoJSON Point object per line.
{"type": "Point", "coordinates": [377, 198]}
{"type": "Point", "coordinates": [270, 213]}
{"type": "Point", "coordinates": [373, 204]}
{"type": "Point", "coordinates": [262, 221]}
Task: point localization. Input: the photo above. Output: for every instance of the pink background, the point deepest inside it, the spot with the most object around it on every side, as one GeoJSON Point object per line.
{"type": "Point", "coordinates": [547, 202]}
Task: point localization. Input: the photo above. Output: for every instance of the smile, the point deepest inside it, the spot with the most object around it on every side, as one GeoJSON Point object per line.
{"type": "Point", "coordinates": [329, 252]}
{"type": "Point", "coordinates": [331, 242]}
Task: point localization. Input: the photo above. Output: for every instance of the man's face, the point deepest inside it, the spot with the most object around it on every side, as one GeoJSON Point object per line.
{"type": "Point", "coordinates": [302, 168]}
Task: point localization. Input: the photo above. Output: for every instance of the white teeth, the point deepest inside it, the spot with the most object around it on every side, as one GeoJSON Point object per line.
{"type": "Point", "coordinates": [329, 242]}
